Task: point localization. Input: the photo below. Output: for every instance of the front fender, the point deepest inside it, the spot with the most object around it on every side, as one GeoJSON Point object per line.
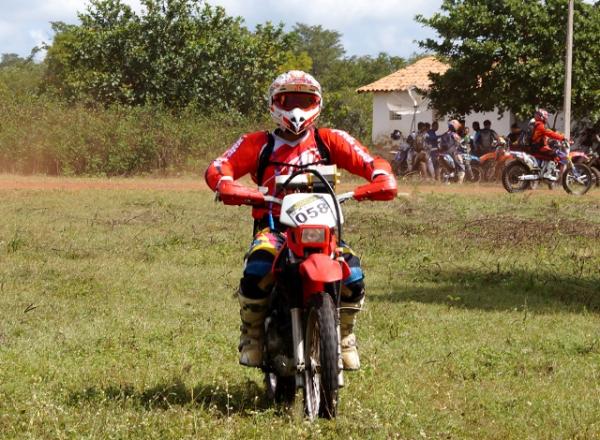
{"type": "Point", "coordinates": [321, 268]}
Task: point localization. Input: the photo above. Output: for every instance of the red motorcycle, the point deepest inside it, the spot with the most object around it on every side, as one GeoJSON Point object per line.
{"type": "Point", "coordinates": [302, 347]}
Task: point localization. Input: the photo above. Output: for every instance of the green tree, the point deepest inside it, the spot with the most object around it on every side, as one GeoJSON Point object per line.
{"type": "Point", "coordinates": [356, 71]}
{"type": "Point", "coordinates": [175, 53]}
{"type": "Point", "coordinates": [510, 55]}
{"type": "Point", "coordinates": [323, 46]}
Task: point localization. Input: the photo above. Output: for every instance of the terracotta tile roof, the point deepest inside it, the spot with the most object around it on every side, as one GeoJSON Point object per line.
{"type": "Point", "coordinates": [414, 75]}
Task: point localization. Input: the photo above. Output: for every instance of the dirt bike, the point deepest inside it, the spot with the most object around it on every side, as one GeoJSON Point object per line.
{"type": "Point", "coordinates": [525, 169]}
{"type": "Point", "coordinates": [402, 168]}
{"type": "Point", "coordinates": [592, 160]}
{"type": "Point", "coordinates": [449, 170]}
{"type": "Point", "coordinates": [493, 162]}
{"type": "Point", "coordinates": [302, 349]}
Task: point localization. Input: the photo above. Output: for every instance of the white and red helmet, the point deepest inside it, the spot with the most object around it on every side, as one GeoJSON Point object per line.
{"type": "Point", "coordinates": [295, 101]}
{"type": "Point", "coordinates": [541, 115]}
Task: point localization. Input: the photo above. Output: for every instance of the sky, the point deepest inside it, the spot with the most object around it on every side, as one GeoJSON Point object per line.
{"type": "Point", "coordinates": [367, 26]}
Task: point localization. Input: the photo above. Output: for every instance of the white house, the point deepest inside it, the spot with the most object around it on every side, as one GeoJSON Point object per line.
{"type": "Point", "coordinates": [398, 105]}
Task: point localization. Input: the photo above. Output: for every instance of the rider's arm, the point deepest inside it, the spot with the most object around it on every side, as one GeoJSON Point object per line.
{"type": "Point", "coordinates": [540, 132]}
{"type": "Point", "coordinates": [240, 159]}
{"type": "Point", "coordinates": [351, 155]}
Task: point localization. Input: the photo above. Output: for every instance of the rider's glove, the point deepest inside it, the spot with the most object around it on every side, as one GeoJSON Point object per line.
{"type": "Point", "coordinates": [382, 188]}
{"type": "Point", "coordinates": [232, 193]}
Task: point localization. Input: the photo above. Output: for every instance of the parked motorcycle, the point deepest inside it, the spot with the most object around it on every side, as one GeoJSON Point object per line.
{"type": "Point", "coordinates": [493, 163]}
{"type": "Point", "coordinates": [592, 159]}
{"type": "Point", "coordinates": [410, 164]}
{"type": "Point", "coordinates": [449, 169]}
{"type": "Point", "coordinates": [302, 347]}
{"type": "Point", "coordinates": [525, 169]}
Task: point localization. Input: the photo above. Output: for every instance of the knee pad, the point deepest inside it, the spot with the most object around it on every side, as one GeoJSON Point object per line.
{"type": "Point", "coordinates": [258, 264]}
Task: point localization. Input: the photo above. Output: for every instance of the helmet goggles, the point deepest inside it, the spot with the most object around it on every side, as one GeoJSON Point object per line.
{"type": "Point", "coordinates": [291, 100]}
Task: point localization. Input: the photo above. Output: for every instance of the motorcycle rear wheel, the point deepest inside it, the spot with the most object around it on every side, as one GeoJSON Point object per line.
{"type": "Point", "coordinates": [577, 180]}
{"type": "Point", "coordinates": [510, 177]}
{"type": "Point", "coordinates": [321, 345]}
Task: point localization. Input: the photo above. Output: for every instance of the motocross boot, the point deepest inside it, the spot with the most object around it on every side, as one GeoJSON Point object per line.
{"type": "Point", "coordinates": [252, 313]}
{"type": "Point", "coordinates": [461, 177]}
{"type": "Point", "coordinates": [348, 312]}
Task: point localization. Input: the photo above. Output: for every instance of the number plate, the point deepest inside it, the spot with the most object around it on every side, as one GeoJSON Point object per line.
{"type": "Point", "coordinates": [308, 209]}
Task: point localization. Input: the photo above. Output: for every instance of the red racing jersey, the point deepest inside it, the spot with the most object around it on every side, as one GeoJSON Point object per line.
{"type": "Point", "coordinates": [541, 134]}
{"type": "Point", "coordinates": [242, 158]}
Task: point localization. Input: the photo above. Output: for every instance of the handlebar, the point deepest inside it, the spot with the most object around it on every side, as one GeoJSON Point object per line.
{"type": "Point", "coordinates": [342, 198]}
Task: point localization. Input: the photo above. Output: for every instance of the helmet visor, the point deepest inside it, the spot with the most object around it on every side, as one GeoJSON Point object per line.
{"type": "Point", "coordinates": [290, 101]}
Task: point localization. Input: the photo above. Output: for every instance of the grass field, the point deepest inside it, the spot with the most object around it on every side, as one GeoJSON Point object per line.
{"type": "Point", "coordinates": [118, 318]}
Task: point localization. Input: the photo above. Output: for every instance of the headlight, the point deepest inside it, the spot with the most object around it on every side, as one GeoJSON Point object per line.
{"type": "Point", "coordinates": [313, 235]}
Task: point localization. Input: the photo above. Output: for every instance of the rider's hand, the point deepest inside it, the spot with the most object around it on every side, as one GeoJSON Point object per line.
{"type": "Point", "coordinates": [233, 193]}
{"type": "Point", "coordinates": [382, 188]}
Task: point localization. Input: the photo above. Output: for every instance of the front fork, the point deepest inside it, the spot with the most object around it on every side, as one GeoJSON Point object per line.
{"type": "Point", "coordinates": [298, 341]}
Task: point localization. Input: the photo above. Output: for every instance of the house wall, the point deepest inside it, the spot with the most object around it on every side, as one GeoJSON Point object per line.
{"type": "Point", "coordinates": [383, 125]}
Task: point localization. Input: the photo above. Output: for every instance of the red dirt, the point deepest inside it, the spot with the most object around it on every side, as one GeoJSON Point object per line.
{"type": "Point", "coordinates": [11, 182]}
{"type": "Point", "coordinates": [42, 183]}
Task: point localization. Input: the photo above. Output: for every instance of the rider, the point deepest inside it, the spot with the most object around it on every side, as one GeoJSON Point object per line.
{"type": "Point", "coordinates": [450, 144]}
{"type": "Point", "coordinates": [295, 102]}
{"type": "Point", "coordinates": [539, 138]}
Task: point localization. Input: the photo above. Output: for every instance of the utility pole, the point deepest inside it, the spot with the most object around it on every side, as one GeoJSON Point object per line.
{"type": "Point", "coordinates": [568, 70]}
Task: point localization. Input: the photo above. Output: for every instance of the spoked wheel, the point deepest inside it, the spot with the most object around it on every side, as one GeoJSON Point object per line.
{"type": "Point", "coordinates": [578, 179]}
{"type": "Point", "coordinates": [321, 374]}
{"type": "Point", "coordinates": [510, 177]}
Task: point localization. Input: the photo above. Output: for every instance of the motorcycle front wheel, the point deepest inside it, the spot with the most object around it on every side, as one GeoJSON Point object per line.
{"type": "Point", "coordinates": [578, 179]}
{"type": "Point", "coordinates": [510, 177]}
{"type": "Point", "coordinates": [321, 345]}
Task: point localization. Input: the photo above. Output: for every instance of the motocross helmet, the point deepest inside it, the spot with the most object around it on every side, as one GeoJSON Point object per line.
{"type": "Point", "coordinates": [541, 115]}
{"type": "Point", "coordinates": [295, 101]}
{"type": "Point", "coordinates": [454, 125]}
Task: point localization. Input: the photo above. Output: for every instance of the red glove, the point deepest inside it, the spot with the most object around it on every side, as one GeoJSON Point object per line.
{"type": "Point", "coordinates": [382, 188]}
{"type": "Point", "coordinates": [232, 193]}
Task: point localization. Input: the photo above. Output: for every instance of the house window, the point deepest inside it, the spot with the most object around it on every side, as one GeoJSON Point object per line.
{"type": "Point", "coordinates": [395, 116]}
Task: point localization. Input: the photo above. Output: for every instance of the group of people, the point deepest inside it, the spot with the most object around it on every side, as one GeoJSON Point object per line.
{"type": "Point", "coordinates": [422, 149]}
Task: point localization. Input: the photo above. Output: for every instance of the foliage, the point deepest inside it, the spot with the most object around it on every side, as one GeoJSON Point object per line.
{"type": "Point", "coordinates": [510, 55]}
{"type": "Point", "coordinates": [323, 46]}
{"type": "Point", "coordinates": [175, 53]}
{"type": "Point", "coordinates": [347, 110]}
{"type": "Point", "coordinates": [19, 77]}
{"type": "Point", "coordinates": [40, 135]}
{"type": "Point", "coordinates": [356, 71]}
{"type": "Point", "coordinates": [119, 321]}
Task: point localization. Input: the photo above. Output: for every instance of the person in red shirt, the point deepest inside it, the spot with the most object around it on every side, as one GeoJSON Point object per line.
{"type": "Point", "coordinates": [295, 102]}
{"type": "Point", "coordinates": [539, 138]}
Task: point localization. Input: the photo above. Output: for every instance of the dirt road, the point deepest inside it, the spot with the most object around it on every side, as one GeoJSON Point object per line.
{"type": "Point", "coordinates": [189, 183]}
